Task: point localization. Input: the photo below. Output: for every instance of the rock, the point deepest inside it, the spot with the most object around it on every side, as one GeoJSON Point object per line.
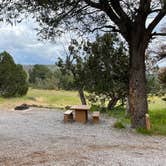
{"type": "Point", "coordinates": [22, 107]}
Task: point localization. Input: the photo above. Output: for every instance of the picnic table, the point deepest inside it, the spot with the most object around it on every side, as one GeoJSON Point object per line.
{"type": "Point", "coordinates": [81, 113]}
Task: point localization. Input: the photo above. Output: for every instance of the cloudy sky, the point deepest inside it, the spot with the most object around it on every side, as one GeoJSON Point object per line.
{"type": "Point", "coordinates": [22, 43]}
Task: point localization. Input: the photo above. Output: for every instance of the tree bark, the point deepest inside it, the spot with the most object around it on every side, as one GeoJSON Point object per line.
{"type": "Point", "coordinates": [82, 96]}
{"type": "Point", "coordinates": [137, 84]}
{"type": "Point", "coordinates": [112, 103]}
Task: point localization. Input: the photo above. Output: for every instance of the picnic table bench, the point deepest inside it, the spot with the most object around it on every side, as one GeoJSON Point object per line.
{"type": "Point", "coordinates": [95, 116]}
{"type": "Point", "coordinates": [68, 116]}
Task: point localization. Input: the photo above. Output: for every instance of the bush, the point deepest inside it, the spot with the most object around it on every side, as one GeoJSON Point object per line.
{"type": "Point", "coordinates": [119, 125]}
{"type": "Point", "coordinates": [144, 131]}
{"type": "Point", "coordinates": [13, 79]}
{"type": "Point", "coordinates": [98, 108]}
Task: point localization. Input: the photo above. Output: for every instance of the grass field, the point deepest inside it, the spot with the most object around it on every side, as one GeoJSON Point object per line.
{"type": "Point", "coordinates": [60, 99]}
{"type": "Point", "coordinates": [45, 98]}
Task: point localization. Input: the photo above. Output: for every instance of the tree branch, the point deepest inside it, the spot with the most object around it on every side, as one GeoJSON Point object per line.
{"type": "Point", "coordinates": [113, 28]}
{"type": "Point", "coordinates": [93, 4]}
{"type": "Point", "coordinates": [118, 9]}
{"type": "Point", "coordinates": [155, 11]}
{"type": "Point", "coordinates": [158, 34]}
{"type": "Point", "coordinates": [105, 7]}
{"type": "Point", "coordinates": [157, 19]}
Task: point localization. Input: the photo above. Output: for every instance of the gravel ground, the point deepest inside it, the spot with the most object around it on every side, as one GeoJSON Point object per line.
{"type": "Point", "coordinates": [39, 137]}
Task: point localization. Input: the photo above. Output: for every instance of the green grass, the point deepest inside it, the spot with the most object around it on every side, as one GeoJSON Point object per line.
{"type": "Point", "coordinates": [119, 113]}
{"type": "Point", "coordinates": [119, 125]}
{"type": "Point", "coordinates": [157, 113]}
{"type": "Point", "coordinates": [45, 98]}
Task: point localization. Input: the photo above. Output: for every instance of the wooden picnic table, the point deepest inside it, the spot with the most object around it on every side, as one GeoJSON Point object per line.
{"type": "Point", "coordinates": [81, 113]}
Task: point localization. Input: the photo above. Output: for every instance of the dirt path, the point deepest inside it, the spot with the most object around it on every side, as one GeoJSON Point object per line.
{"type": "Point", "coordinates": [40, 138]}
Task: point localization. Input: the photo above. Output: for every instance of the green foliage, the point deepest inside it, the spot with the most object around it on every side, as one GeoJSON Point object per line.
{"type": "Point", "coordinates": [153, 85]}
{"type": "Point", "coordinates": [42, 77]}
{"type": "Point", "coordinates": [100, 67]}
{"type": "Point", "coordinates": [107, 66]}
{"type": "Point", "coordinates": [157, 113]}
{"type": "Point", "coordinates": [13, 79]}
{"type": "Point", "coordinates": [162, 76]}
{"type": "Point", "coordinates": [119, 125]}
{"type": "Point", "coordinates": [118, 112]}
{"type": "Point", "coordinates": [40, 72]}
{"type": "Point", "coordinates": [154, 75]}
{"type": "Point", "coordinates": [144, 131]}
{"type": "Point", "coordinates": [99, 100]}
{"type": "Point", "coordinates": [65, 81]}
{"type": "Point", "coordinates": [74, 64]}
{"type": "Point", "coordinates": [98, 108]}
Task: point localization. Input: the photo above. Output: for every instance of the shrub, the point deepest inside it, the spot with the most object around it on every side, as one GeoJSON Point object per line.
{"type": "Point", "coordinates": [119, 125]}
{"type": "Point", "coordinates": [13, 79]}
{"type": "Point", "coordinates": [144, 131]}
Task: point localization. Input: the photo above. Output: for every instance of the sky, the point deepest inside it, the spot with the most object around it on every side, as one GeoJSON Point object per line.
{"type": "Point", "coordinates": [21, 41]}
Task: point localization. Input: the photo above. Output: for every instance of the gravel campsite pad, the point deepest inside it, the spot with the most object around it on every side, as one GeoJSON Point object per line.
{"type": "Point", "coordinates": [39, 137]}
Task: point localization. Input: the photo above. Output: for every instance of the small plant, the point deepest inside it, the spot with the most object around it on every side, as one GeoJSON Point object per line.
{"type": "Point", "coordinates": [119, 125]}
{"type": "Point", "coordinates": [144, 131]}
{"type": "Point", "coordinates": [97, 108]}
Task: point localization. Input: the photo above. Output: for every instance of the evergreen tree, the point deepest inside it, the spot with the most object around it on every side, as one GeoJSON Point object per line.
{"type": "Point", "coordinates": [13, 79]}
{"type": "Point", "coordinates": [107, 68]}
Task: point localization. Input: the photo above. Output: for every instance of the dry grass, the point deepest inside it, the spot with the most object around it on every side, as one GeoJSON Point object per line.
{"type": "Point", "coordinates": [44, 98]}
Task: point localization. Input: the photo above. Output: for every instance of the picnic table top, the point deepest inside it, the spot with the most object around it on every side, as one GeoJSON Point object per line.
{"type": "Point", "coordinates": [80, 107]}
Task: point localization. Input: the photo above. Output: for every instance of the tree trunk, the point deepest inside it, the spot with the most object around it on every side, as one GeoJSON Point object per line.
{"type": "Point", "coordinates": [112, 103]}
{"type": "Point", "coordinates": [82, 96]}
{"type": "Point", "coordinates": [137, 85]}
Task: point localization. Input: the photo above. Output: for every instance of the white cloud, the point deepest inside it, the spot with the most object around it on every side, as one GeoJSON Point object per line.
{"type": "Point", "coordinates": [22, 43]}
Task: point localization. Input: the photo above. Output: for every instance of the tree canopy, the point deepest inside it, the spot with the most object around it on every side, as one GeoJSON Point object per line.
{"type": "Point", "coordinates": [57, 16]}
{"type": "Point", "coordinates": [99, 67]}
{"type": "Point", "coordinates": [107, 68]}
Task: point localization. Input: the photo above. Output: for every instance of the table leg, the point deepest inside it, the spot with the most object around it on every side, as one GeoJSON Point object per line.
{"type": "Point", "coordinates": [81, 116]}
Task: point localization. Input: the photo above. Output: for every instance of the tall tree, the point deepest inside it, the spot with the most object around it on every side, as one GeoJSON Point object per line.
{"type": "Point", "coordinates": [129, 18]}
{"type": "Point", "coordinates": [74, 64]}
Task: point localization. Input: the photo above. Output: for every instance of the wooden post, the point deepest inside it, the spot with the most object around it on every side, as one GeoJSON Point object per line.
{"type": "Point", "coordinates": [147, 121]}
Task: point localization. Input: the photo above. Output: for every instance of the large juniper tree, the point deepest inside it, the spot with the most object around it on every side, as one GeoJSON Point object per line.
{"type": "Point", "coordinates": [106, 66]}
{"type": "Point", "coordinates": [128, 17]}
{"type": "Point", "coordinates": [13, 78]}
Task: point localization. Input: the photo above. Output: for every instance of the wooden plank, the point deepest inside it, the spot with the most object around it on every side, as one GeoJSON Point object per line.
{"type": "Point", "coordinates": [80, 107]}
{"type": "Point", "coordinates": [96, 114]}
{"type": "Point", "coordinates": [68, 112]}
{"type": "Point", "coordinates": [68, 117]}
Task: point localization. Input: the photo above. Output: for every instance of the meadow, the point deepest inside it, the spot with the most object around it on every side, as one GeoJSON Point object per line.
{"type": "Point", "coordinates": [60, 99]}
{"type": "Point", "coordinates": [43, 98]}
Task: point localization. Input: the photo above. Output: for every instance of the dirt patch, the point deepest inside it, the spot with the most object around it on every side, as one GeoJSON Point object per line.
{"type": "Point", "coordinates": [121, 147]}
{"type": "Point", "coordinates": [40, 138]}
